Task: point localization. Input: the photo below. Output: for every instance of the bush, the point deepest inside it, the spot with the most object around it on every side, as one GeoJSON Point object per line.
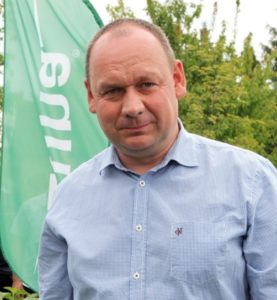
{"type": "Point", "coordinates": [15, 294]}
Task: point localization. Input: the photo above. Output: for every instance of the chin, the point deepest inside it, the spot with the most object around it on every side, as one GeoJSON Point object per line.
{"type": "Point", "coordinates": [144, 153]}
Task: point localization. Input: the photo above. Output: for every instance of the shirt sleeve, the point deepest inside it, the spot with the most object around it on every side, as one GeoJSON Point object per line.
{"type": "Point", "coordinates": [52, 265]}
{"type": "Point", "coordinates": [260, 245]}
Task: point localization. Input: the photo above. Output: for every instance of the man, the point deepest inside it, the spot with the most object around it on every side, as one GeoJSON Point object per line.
{"type": "Point", "coordinates": [161, 214]}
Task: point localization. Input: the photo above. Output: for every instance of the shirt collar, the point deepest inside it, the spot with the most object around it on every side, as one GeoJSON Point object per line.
{"type": "Point", "coordinates": [110, 158]}
{"type": "Point", "coordinates": [184, 152]}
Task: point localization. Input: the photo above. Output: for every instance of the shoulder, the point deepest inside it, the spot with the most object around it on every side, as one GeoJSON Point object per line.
{"type": "Point", "coordinates": [236, 167]}
{"type": "Point", "coordinates": [226, 153]}
{"type": "Point", "coordinates": [81, 178]}
{"type": "Point", "coordinates": [231, 161]}
{"type": "Point", "coordinates": [86, 170]}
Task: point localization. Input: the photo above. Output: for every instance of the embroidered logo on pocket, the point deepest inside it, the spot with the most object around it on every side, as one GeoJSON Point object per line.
{"type": "Point", "coordinates": [197, 251]}
{"type": "Point", "coordinates": [179, 231]}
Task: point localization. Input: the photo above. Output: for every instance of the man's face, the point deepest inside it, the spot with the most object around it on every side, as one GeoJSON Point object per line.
{"type": "Point", "coordinates": [135, 92]}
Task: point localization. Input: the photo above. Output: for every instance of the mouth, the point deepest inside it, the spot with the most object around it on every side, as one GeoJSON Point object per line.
{"type": "Point", "coordinates": [137, 127]}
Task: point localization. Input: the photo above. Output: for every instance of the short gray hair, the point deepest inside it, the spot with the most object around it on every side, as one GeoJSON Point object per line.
{"type": "Point", "coordinates": [154, 29]}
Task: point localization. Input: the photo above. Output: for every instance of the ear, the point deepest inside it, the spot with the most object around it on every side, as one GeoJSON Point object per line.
{"type": "Point", "coordinates": [90, 98]}
{"type": "Point", "coordinates": [179, 79]}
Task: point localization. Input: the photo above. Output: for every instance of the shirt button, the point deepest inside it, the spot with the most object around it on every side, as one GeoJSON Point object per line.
{"type": "Point", "coordinates": [142, 183]}
{"type": "Point", "coordinates": [136, 275]}
{"type": "Point", "coordinates": [139, 227]}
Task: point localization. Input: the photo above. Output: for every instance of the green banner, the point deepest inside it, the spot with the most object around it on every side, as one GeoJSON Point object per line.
{"type": "Point", "coordinates": [48, 130]}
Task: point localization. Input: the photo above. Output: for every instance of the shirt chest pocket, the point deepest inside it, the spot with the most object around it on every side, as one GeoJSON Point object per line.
{"type": "Point", "coordinates": [197, 251]}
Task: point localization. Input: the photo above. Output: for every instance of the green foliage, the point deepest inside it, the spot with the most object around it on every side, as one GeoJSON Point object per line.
{"type": "Point", "coordinates": [272, 50]}
{"type": "Point", "coordinates": [176, 19]}
{"type": "Point", "coordinates": [15, 294]}
{"type": "Point", "coordinates": [119, 11]}
{"type": "Point", "coordinates": [230, 97]}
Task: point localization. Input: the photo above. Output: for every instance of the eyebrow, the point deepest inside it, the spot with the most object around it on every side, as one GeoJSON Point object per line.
{"type": "Point", "coordinates": [147, 77]}
{"type": "Point", "coordinates": [115, 83]}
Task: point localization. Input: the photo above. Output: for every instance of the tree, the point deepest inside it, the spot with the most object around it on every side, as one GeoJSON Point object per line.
{"type": "Point", "coordinates": [272, 49]}
{"type": "Point", "coordinates": [231, 97]}
{"type": "Point", "coordinates": [119, 11]}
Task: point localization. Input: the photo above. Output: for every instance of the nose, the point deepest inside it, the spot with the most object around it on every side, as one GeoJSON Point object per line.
{"type": "Point", "coordinates": [132, 105]}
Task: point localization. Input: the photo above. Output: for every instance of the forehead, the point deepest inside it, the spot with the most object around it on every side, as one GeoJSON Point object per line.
{"type": "Point", "coordinates": [125, 57]}
{"type": "Point", "coordinates": [124, 40]}
{"type": "Point", "coordinates": [124, 31]}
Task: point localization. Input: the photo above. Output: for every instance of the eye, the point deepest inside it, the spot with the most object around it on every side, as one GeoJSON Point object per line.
{"type": "Point", "coordinates": [147, 85]}
{"type": "Point", "coordinates": [112, 92]}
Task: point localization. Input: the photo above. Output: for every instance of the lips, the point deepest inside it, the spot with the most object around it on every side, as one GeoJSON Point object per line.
{"type": "Point", "coordinates": [133, 124]}
{"type": "Point", "coordinates": [136, 127]}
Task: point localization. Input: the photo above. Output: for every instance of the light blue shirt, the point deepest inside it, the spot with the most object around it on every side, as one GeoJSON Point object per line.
{"type": "Point", "coordinates": [201, 225]}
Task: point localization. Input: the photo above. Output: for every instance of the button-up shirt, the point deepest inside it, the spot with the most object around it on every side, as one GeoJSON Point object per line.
{"type": "Point", "coordinates": [200, 225]}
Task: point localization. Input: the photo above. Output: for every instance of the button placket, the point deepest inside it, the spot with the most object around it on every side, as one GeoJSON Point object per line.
{"type": "Point", "coordinates": [138, 240]}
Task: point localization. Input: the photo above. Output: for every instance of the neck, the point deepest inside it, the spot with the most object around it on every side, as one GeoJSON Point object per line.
{"type": "Point", "coordinates": [141, 163]}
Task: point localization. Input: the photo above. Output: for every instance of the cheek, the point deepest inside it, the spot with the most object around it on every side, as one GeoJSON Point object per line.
{"type": "Point", "coordinates": [164, 105]}
{"type": "Point", "coordinates": [107, 112]}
